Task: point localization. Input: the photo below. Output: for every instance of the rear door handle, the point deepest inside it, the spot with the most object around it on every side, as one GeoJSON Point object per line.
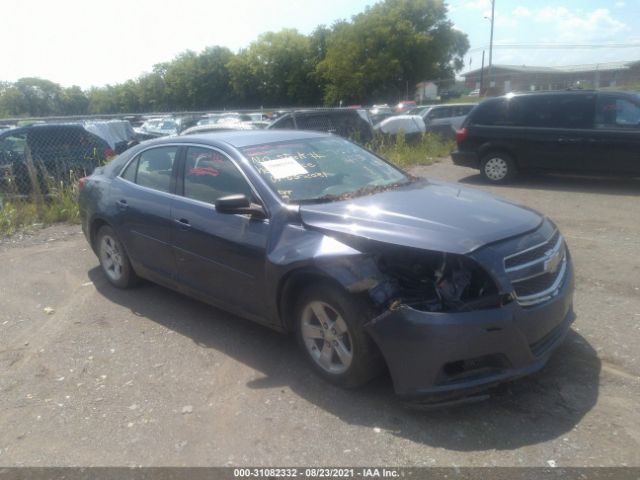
{"type": "Point", "coordinates": [568, 140]}
{"type": "Point", "coordinates": [122, 204]}
{"type": "Point", "coordinates": [183, 222]}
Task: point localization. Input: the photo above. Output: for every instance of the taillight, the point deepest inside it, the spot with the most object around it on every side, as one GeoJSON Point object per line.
{"type": "Point", "coordinates": [108, 153]}
{"type": "Point", "coordinates": [461, 135]}
{"type": "Point", "coordinates": [82, 182]}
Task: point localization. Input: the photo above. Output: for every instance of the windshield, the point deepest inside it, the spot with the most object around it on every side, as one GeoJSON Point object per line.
{"type": "Point", "coordinates": [322, 169]}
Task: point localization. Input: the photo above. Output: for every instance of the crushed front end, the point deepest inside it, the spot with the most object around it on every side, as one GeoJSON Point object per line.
{"type": "Point", "coordinates": [456, 324]}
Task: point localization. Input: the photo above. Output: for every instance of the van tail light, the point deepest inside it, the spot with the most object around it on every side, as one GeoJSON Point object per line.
{"type": "Point", "coordinates": [461, 135]}
{"type": "Point", "coordinates": [108, 153]}
{"type": "Point", "coordinates": [82, 182]}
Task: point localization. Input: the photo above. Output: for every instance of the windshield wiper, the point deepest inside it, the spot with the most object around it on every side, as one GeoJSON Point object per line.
{"type": "Point", "coordinates": [361, 192]}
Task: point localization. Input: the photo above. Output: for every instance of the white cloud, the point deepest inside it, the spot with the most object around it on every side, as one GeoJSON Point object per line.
{"type": "Point", "coordinates": [567, 25]}
{"type": "Point", "coordinates": [502, 21]}
{"type": "Point", "coordinates": [552, 14]}
{"type": "Point", "coordinates": [477, 4]}
{"type": "Point", "coordinates": [595, 26]}
{"type": "Point", "coordinates": [521, 11]}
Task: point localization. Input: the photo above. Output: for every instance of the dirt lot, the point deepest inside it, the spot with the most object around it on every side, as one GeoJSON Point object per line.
{"type": "Point", "coordinates": [148, 377]}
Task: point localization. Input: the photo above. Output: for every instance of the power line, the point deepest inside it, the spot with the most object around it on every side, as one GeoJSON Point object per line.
{"type": "Point", "coordinates": [553, 46]}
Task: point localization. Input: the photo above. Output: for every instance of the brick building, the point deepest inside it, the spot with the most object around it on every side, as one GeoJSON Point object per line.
{"type": "Point", "coordinates": [514, 78]}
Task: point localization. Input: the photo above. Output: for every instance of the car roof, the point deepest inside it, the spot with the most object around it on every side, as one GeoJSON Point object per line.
{"type": "Point", "coordinates": [44, 126]}
{"type": "Point", "coordinates": [555, 93]}
{"type": "Point", "coordinates": [241, 138]}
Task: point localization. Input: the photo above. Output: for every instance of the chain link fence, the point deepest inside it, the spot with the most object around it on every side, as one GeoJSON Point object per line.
{"type": "Point", "coordinates": [38, 161]}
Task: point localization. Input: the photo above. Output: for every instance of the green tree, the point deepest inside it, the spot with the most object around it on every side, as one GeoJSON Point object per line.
{"type": "Point", "coordinates": [196, 81]}
{"type": "Point", "coordinates": [152, 92]}
{"type": "Point", "coordinates": [102, 100]}
{"type": "Point", "coordinates": [389, 48]}
{"type": "Point", "coordinates": [275, 70]}
{"type": "Point", "coordinates": [73, 101]}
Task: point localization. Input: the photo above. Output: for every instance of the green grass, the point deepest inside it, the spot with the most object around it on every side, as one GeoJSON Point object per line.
{"type": "Point", "coordinates": [20, 214]}
{"type": "Point", "coordinates": [404, 154]}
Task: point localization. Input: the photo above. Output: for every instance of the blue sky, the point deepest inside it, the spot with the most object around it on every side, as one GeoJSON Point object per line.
{"type": "Point", "coordinates": [86, 43]}
{"type": "Point", "coordinates": [565, 22]}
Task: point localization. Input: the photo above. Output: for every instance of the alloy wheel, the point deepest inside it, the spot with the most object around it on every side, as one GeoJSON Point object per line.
{"type": "Point", "coordinates": [326, 337]}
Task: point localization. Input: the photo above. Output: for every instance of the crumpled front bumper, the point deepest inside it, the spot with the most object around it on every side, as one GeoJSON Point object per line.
{"type": "Point", "coordinates": [447, 355]}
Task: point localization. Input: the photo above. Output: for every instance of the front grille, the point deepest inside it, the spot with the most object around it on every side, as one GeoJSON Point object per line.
{"type": "Point", "coordinates": [532, 253]}
{"type": "Point", "coordinates": [531, 286]}
{"type": "Point", "coordinates": [538, 273]}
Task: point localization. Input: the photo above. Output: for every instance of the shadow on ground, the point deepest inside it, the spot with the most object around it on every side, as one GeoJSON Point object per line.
{"type": "Point", "coordinates": [531, 410]}
{"type": "Point", "coordinates": [566, 183]}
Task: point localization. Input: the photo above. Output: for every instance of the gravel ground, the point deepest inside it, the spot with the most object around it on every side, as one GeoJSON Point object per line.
{"type": "Point", "coordinates": [92, 375]}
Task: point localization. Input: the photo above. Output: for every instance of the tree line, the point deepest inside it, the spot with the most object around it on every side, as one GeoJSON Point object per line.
{"type": "Point", "coordinates": [377, 56]}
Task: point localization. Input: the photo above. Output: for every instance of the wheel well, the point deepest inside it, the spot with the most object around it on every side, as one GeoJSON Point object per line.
{"type": "Point", "coordinates": [96, 225]}
{"type": "Point", "coordinates": [493, 149]}
{"type": "Point", "coordinates": [291, 288]}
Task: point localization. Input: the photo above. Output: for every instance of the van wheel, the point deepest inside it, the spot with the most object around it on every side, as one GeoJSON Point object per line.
{"type": "Point", "coordinates": [498, 167]}
{"type": "Point", "coordinates": [329, 329]}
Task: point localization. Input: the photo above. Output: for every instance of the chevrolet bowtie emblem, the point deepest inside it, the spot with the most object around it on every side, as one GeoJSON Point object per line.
{"type": "Point", "coordinates": [553, 260]}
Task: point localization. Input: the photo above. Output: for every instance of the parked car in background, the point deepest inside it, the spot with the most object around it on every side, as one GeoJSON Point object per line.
{"type": "Point", "coordinates": [451, 288]}
{"type": "Point", "coordinates": [158, 127]}
{"type": "Point", "coordinates": [585, 132]}
{"type": "Point", "coordinates": [221, 127]}
{"type": "Point", "coordinates": [377, 113]}
{"type": "Point", "coordinates": [227, 117]}
{"type": "Point", "coordinates": [474, 93]}
{"type": "Point", "coordinates": [411, 125]}
{"type": "Point", "coordinates": [41, 154]}
{"type": "Point", "coordinates": [445, 119]}
{"type": "Point", "coordinates": [347, 122]}
{"type": "Point", "coordinates": [117, 133]}
{"type": "Point", "coordinates": [405, 106]}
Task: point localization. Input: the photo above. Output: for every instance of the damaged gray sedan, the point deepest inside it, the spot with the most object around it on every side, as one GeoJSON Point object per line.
{"type": "Point", "coordinates": [451, 289]}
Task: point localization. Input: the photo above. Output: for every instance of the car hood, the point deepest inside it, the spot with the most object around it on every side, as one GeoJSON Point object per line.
{"type": "Point", "coordinates": [427, 215]}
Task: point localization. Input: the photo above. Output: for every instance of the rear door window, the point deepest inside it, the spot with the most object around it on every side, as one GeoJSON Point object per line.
{"type": "Point", "coordinates": [558, 111]}
{"type": "Point", "coordinates": [285, 123]}
{"type": "Point", "coordinates": [507, 112]}
{"type": "Point", "coordinates": [153, 168]}
{"type": "Point", "coordinates": [617, 112]}
{"type": "Point", "coordinates": [321, 123]}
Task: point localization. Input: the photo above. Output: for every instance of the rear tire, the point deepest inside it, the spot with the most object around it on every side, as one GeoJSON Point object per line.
{"type": "Point", "coordinates": [329, 330]}
{"type": "Point", "coordinates": [113, 259]}
{"type": "Point", "coordinates": [498, 168]}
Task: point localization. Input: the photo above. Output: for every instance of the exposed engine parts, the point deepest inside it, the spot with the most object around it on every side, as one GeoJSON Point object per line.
{"type": "Point", "coordinates": [433, 282]}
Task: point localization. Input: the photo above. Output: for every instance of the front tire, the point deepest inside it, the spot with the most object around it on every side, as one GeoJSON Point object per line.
{"type": "Point", "coordinates": [329, 330]}
{"type": "Point", "coordinates": [113, 259]}
{"type": "Point", "coordinates": [498, 168]}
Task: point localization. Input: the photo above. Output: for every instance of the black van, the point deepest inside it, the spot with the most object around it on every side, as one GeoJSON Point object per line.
{"type": "Point", "coordinates": [589, 132]}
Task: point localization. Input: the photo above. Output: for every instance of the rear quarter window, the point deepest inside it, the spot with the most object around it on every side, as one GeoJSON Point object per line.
{"type": "Point", "coordinates": [502, 111]}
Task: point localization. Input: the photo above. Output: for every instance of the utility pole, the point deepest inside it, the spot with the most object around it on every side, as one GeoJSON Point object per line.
{"type": "Point", "coordinates": [481, 89]}
{"type": "Point", "coordinates": [493, 10]}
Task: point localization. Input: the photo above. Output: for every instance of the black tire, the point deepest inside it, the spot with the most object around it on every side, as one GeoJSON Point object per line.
{"type": "Point", "coordinates": [113, 259]}
{"type": "Point", "coordinates": [366, 361]}
{"type": "Point", "coordinates": [498, 168]}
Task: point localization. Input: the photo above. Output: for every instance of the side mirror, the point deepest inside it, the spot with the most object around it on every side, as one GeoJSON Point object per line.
{"type": "Point", "coordinates": [234, 204]}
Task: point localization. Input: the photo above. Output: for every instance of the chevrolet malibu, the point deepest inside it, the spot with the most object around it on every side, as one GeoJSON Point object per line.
{"type": "Point", "coordinates": [450, 289]}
